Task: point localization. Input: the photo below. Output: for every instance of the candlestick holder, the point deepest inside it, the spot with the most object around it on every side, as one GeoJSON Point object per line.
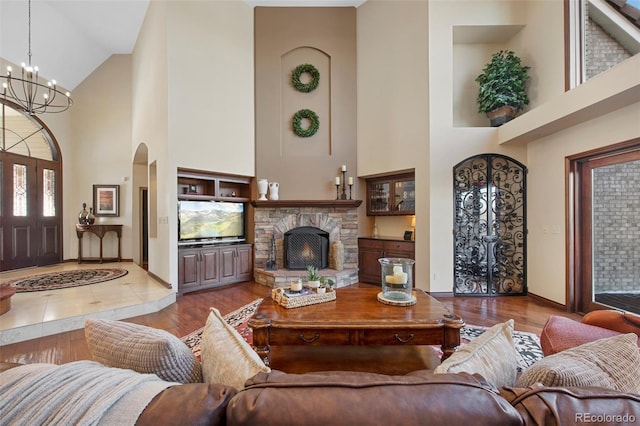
{"type": "Point", "coordinates": [350, 187]}
{"type": "Point", "coordinates": [337, 191]}
{"type": "Point", "coordinates": [344, 185]}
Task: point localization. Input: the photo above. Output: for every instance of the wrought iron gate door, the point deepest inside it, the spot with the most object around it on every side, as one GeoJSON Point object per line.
{"type": "Point", "coordinates": [489, 226]}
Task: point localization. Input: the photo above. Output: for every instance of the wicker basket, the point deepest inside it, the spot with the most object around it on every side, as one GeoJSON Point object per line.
{"type": "Point", "coordinates": [277, 294]}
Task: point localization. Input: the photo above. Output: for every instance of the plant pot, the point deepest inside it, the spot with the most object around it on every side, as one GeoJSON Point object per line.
{"type": "Point", "coordinates": [314, 284]}
{"type": "Point", "coordinates": [501, 115]}
{"type": "Point", "coordinates": [321, 290]}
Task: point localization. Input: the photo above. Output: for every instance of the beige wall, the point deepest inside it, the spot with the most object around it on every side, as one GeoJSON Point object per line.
{"type": "Point", "coordinates": [210, 83]}
{"type": "Point", "coordinates": [305, 168]}
{"type": "Point", "coordinates": [100, 153]}
{"type": "Point", "coordinates": [150, 126]}
{"type": "Point", "coordinates": [193, 104]}
{"type": "Point", "coordinates": [546, 196]}
{"type": "Point", "coordinates": [393, 109]}
{"type": "Point", "coordinates": [519, 26]}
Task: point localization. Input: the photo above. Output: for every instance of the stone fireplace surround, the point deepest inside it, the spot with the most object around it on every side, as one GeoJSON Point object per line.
{"type": "Point", "coordinates": [273, 218]}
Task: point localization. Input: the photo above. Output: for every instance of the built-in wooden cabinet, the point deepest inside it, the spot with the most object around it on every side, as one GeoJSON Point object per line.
{"type": "Point", "coordinates": [391, 195]}
{"type": "Point", "coordinates": [212, 266]}
{"type": "Point", "coordinates": [372, 249]}
{"type": "Point", "coordinates": [211, 261]}
{"type": "Point", "coordinates": [200, 185]}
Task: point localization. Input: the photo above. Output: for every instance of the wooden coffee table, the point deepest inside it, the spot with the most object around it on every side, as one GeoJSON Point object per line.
{"type": "Point", "coordinates": [356, 318]}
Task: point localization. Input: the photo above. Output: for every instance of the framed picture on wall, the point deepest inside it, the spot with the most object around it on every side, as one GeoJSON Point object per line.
{"type": "Point", "coordinates": [106, 200]}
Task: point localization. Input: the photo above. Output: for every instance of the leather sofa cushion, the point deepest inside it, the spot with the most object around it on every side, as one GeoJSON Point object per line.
{"type": "Point", "coordinates": [560, 333]}
{"type": "Point", "coordinates": [189, 404]}
{"type": "Point", "coordinates": [350, 398]}
{"type": "Point", "coordinates": [623, 322]}
{"type": "Point", "coordinates": [539, 405]}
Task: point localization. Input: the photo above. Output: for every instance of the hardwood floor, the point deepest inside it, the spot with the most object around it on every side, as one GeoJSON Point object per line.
{"type": "Point", "coordinates": [190, 312]}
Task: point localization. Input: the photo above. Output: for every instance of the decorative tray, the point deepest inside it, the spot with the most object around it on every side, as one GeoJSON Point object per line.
{"type": "Point", "coordinates": [295, 299]}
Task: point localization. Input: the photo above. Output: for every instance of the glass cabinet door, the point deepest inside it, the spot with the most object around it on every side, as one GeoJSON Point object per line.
{"type": "Point", "coordinates": [404, 194]}
{"type": "Point", "coordinates": [379, 197]}
{"type": "Point", "coordinates": [392, 195]}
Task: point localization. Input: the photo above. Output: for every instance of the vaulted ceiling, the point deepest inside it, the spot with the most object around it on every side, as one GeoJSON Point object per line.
{"type": "Point", "coordinates": [71, 38]}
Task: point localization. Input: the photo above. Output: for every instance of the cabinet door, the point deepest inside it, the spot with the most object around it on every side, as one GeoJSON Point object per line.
{"type": "Point", "coordinates": [209, 265]}
{"type": "Point", "coordinates": [391, 195]}
{"type": "Point", "coordinates": [188, 268]}
{"type": "Point", "coordinates": [404, 192]}
{"type": "Point", "coordinates": [378, 197]}
{"type": "Point", "coordinates": [228, 257]}
{"type": "Point", "coordinates": [369, 267]}
{"type": "Point", "coordinates": [245, 263]}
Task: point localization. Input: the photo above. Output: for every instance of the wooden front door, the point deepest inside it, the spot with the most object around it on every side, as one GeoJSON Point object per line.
{"type": "Point", "coordinates": [30, 212]}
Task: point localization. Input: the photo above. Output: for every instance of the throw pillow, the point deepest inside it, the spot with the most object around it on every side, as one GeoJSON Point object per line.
{"type": "Point", "coordinates": [143, 349]}
{"type": "Point", "coordinates": [492, 355]}
{"type": "Point", "coordinates": [226, 357]}
{"type": "Point", "coordinates": [612, 362]}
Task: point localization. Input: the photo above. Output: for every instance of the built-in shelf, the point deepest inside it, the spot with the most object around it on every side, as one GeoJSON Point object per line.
{"type": "Point", "coordinates": [305, 203]}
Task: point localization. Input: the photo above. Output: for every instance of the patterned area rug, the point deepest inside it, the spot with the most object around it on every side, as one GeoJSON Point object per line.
{"type": "Point", "coordinates": [527, 344]}
{"type": "Point", "coordinates": [65, 279]}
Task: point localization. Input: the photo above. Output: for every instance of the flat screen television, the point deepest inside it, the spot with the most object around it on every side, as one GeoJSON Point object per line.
{"type": "Point", "coordinates": [210, 220]}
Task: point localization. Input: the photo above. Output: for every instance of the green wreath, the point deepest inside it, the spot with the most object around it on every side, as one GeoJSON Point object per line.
{"type": "Point", "coordinates": [300, 86]}
{"type": "Point", "coordinates": [297, 120]}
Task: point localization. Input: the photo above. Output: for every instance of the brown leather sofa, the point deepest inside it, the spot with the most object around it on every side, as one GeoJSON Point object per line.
{"type": "Point", "coordinates": [361, 398]}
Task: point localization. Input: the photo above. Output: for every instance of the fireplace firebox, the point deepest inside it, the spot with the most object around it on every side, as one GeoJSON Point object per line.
{"type": "Point", "coordinates": [306, 246]}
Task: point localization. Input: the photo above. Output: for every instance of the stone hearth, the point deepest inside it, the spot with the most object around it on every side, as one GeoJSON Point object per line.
{"type": "Point", "coordinates": [273, 218]}
{"type": "Point", "coordinates": [283, 277]}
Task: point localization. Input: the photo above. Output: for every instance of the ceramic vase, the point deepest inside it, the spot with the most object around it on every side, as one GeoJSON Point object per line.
{"type": "Point", "coordinates": [273, 190]}
{"type": "Point", "coordinates": [263, 186]}
{"type": "Point", "coordinates": [83, 215]}
{"type": "Point", "coordinates": [91, 219]}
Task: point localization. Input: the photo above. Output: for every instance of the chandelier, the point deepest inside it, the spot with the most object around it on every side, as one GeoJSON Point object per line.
{"type": "Point", "coordinates": [29, 93]}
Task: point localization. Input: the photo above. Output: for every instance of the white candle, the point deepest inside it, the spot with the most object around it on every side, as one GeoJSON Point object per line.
{"type": "Point", "coordinates": [337, 180]}
{"type": "Point", "coordinates": [350, 180]}
{"type": "Point", "coordinates": [344, 167]}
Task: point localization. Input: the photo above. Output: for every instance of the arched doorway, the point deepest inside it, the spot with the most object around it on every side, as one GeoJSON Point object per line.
{"type": "Point", "coordinates": [31, 195]}
{"type": "Point", "coordinates": [489, 226]}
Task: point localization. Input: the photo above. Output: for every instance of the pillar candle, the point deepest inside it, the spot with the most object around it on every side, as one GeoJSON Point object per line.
{"type": "Point", "coordinates": [350, 180]}
{"type": "Point", "coordinates": [344, 168]}
{"type": "Point", "coordinates": [337, 180]}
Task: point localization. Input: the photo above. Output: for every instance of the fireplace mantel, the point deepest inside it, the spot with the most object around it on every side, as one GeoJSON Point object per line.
{"type": "Point", "coordinates": [305, 203]}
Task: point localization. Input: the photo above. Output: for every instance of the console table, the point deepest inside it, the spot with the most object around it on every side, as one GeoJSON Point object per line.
{"type": "Point", "coordinates": [99, 231]}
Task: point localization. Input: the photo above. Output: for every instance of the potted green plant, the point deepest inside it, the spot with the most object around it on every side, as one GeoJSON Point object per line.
{"type": "Point", "coordinates": [326, 284]}
{"type": "Point", "coordinates": [502, 93]}
{"type": "Point", "coordinates": [313, 277]}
